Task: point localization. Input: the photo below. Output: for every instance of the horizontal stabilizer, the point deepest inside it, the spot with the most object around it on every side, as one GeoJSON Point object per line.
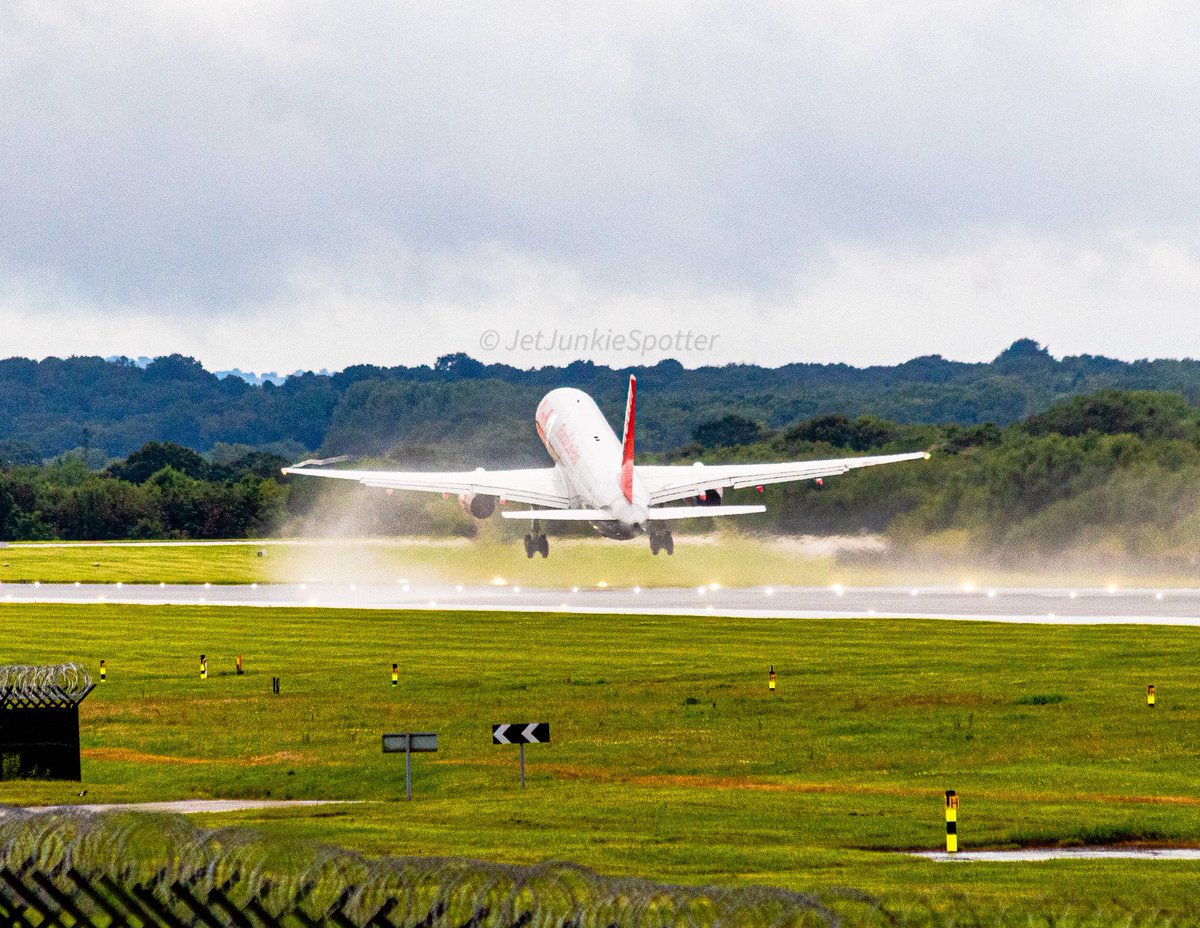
{"type": "Point", "coordinates": [559, 515]}
{"type": "Point", "coordinates": [701, 512]}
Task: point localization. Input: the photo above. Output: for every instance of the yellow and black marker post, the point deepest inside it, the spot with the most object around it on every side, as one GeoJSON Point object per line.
{"type": "Point", "coordinates": [103, 671]}
{"type": "Point", "coordinates": [239, 665]}
{"type": "Point", "coordinates": [395, 676]}
{"type": "Point", "coordinates": [203, 667]}
{"type": "Point", "coordinates": [1150, 695]}
{"type": "Point", "coordinates": [951, 822]}
{"type": "Point", "coordinates": [771, 679]}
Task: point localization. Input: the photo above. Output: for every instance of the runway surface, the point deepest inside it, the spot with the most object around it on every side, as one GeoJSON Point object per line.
{"type": "Point", "coordinates": [1050, 606]}
{"type": "Point", "coordinates": [187, 806]}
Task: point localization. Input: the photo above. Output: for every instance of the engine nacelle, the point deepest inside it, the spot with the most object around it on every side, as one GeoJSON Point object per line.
{"type": "Point", "coordinates": [710, 497]}
{"type": "Point", "coordinates": [478, 505]}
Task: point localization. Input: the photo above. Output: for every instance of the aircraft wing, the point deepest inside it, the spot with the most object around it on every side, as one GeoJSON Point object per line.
{"type": "Point", "coordinates": [541, 486]}
{"type": "Point", "coordinates": [675, 481]}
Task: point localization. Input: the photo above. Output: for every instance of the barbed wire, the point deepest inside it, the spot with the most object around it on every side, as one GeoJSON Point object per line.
{"type": "Point", "coordinates": [70, 680]}
{"type": "Point", "coordinates": [162, 853]}
{"type": "Point", "coordinates": [163, 870]}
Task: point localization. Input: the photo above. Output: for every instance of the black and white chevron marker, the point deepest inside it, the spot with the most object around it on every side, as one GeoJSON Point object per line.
{"type": "Point", "coordinates": [521, 733]}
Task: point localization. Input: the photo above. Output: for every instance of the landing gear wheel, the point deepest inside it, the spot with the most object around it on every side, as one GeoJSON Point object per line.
{"type": "Point", "coordinates": [654, 545]}
{"type": "Point", "coordinates": [668, 543]}
{"type": "Point", "coordinates": [543, 546]}
{"type": "Point", "coordinates": [529, 546]}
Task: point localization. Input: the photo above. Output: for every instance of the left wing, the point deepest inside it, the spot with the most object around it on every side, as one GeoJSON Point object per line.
{"type": "Point", "coordinates": [541, 486]}
{"type": "Point", "coordinates": [680, 481]}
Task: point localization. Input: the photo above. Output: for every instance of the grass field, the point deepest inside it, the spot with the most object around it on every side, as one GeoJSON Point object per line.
{"type": "Point", "coordinates": [729, 559]}
{"type": "Point", "coordinates": [670, 759]}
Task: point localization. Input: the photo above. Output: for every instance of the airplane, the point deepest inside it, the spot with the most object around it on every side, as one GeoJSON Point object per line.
{"type": "Point", "coordinates": [594, 478]}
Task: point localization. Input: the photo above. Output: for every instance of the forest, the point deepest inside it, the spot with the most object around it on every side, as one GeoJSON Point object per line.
{"type": "Point", "coordinates": [461, 410]}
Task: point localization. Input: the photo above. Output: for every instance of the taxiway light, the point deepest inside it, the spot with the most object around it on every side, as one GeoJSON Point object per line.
{"type": "Point", "coordinates": [714, 586]}
{"type": "Point", "coordinates": [162, 585]}
{"type": "Point", "coordinates": [991, 594]}
{"type": "Point", "coordinates": [1112, 588]}
{"type": "Point", "coordinates": [499, 581]}
{"type": "Point", "coordinates": [405, 588]}
{"type": "Point", "coordinates": [838, 589]}
{"type": "Point", "coordinates": [574, 589]}
{"type": "Point", "coordinates": [76, 583]}
{"type": "Point", "coordinates": [459, 588]}
{"type": "Point", "coordinates": [254, 586]}
{"type": "Point", "coordinates": [37, 582]}
{"type": "Point", "coordinates": [120, 584]}
{"type": "Point", "coordinates": [637, 589]}
{"type": "Point", "coordinates": [699, 591]}
{"type": "Point", "coordinates": [1072, 594]}
{"type": "Point", "coordinates": [602, 584]}
{"type": "Point", "coordinates": [1158, 595]}
{"type": "Point", "coordinates": [516, 589]}
{"type": "Point", "coordinates": [913, 592]}
{"type": "Point", "coordinates": [207, 586]}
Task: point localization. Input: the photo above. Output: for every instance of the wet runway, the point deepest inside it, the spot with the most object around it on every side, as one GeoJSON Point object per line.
{"type": "Point", "coordinates": [1053, 606]}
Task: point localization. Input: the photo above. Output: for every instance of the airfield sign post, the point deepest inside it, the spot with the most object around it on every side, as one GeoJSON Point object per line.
{"type": "Point", "coordinates": [521, 733]}
{"type": "Point", "coordinates": [409, 742]}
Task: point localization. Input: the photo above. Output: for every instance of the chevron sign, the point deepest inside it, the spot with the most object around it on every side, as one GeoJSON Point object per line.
{"type": "Point", "coordinates": [521, 733]}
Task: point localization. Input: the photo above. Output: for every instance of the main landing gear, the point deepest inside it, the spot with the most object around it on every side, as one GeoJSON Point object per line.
{"type": "Point", "coordinates": [536, 542]}
{"type": "Point", "coordinates": [661, 540]}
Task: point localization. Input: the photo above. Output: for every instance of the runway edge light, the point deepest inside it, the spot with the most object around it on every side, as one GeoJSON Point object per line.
{"type": "Point", "coordinates": [951, 822]}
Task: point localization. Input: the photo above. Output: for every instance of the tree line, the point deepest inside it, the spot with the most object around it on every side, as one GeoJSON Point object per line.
{"type": "Point", "coordinates": [462, 409]}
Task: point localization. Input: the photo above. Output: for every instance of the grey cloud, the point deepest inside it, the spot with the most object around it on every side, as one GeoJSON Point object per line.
{"type": "Point", "coordinates": [200, 157]}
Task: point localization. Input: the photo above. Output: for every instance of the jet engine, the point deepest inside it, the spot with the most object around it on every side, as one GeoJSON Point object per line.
{"type": "Point", "coordinates": [478, 505]}
{"type": "Point", "coordinates": [710, 497]}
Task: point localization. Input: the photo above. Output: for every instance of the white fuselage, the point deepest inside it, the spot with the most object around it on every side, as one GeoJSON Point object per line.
{"type": "Point", "coordinates": [588, 455]}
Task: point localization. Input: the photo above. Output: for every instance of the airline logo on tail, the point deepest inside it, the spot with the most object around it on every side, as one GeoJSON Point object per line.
{"type": "Point", "coordinates": [627, 451]}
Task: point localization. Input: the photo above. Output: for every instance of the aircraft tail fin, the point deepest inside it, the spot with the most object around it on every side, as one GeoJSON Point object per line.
{"type": "Point", "coordinates": [627, 450]}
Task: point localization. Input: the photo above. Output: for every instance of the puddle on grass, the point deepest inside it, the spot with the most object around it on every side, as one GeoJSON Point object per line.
{"type": "Point", "coordinates": [1066, 853]}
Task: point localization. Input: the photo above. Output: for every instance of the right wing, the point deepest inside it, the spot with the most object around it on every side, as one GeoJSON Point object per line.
{"type": "Point", "coordinates": [680, 481]}
{"type": "Point", "coordinates": [542, 486]}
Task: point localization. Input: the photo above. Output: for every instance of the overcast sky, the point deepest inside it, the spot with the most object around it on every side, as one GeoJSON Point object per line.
{"type": "Point", "coordinates": [283, 185]}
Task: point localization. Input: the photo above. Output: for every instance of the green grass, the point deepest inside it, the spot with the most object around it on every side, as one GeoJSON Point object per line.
{"type": "Point", "coordinates": [670, 759]}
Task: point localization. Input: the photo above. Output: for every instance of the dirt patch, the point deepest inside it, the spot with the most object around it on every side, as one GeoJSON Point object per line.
{"type": "Point", "coordinates": [143, 757]}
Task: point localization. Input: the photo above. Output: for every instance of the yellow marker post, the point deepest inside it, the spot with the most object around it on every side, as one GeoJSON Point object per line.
{"type": "Point", "coordinates": [395, 676]}
{"type": "Point", "coordinates": [1150, 695]}
{"type": "Point", "coordinates": [203, 667]}
{"type": "Point", "coordinates": [771, 679]}
{"type": "Point", "coordinates": [239, 665]}
{"type": "Point", "coordinates": [103, 672]}
{"type": "Point", "coordinates": [951, 822]}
